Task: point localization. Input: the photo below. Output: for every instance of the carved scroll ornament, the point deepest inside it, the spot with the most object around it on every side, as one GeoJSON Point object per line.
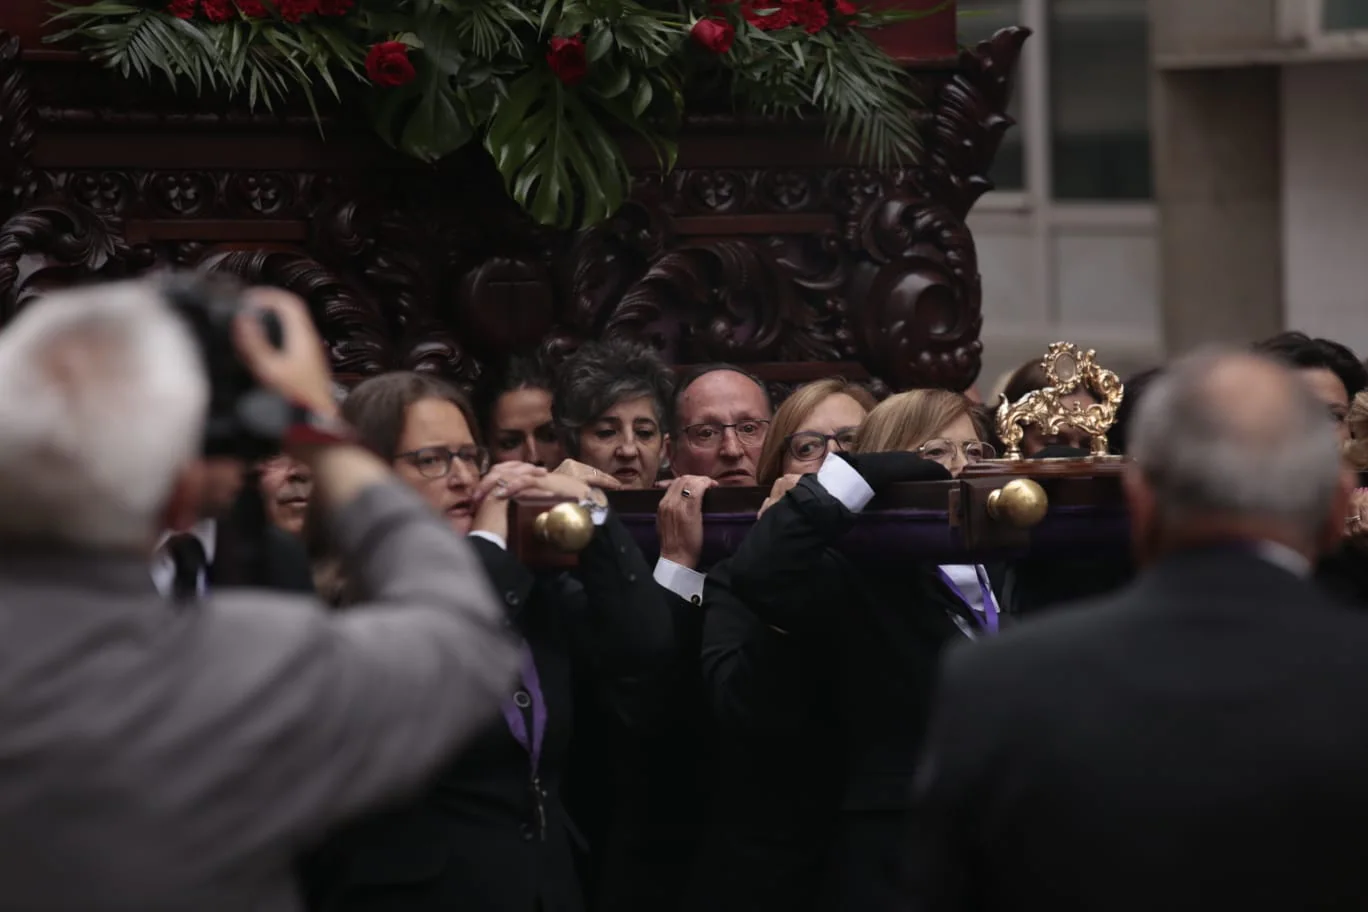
{"type": "Point", "coordinates": [1067, 369]}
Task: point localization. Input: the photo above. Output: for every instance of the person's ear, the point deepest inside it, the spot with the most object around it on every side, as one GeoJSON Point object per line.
{"type": "Point", "coordinates": [185, 502]}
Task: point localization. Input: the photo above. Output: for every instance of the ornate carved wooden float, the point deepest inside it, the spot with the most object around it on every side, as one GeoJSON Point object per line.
{"type": "Point", "coordinates": [765, 245]}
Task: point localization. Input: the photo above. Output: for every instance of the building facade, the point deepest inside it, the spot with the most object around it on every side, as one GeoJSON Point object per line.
{"type": "Point", "coordinates": [1183, 171]}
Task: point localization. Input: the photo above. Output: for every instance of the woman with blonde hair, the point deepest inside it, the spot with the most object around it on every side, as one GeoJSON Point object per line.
{"type": "Point", "coordinates": [846, 644]}
{"type": "Point", "coordinates": [816, 419]}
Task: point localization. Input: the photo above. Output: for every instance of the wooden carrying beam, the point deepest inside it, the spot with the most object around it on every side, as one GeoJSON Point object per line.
{"type": "Point", "coordinates": [998, 510]}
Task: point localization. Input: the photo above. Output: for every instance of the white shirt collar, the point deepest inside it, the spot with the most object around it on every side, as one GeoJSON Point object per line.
{"type": "Point", "coordinates": [206, 530]}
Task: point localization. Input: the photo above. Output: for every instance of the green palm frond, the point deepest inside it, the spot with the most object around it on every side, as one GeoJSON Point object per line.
{"type": "Point", "coordinates": [866, 98]}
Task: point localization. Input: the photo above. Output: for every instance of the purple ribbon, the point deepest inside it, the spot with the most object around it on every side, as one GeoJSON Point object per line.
{"type": "Point", "coordinates": [987, 615]}
{"type": "Point", "coordinates": [531, 692]}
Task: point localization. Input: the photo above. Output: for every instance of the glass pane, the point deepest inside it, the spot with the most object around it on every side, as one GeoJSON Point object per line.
{"type": "Point", "coordinates": [1099, 94]}
{"type": "Point", "coordinates": [978, 20]}
{"type": "Point", "coordinates": [1344, 15]}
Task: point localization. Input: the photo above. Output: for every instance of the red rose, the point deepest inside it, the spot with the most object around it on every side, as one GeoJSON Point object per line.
{"type": "Point", "coordinates": [715, 35]}
{"type": "Point", "coordinates": [812, 16]}
{"type": "Point", "coordinates": [334, 7]}
{"type": "Point", "coordinates": [295, 10]}
{"type": "Point", "coordinates": [218, 10]}
{"type": "Point", "coordinates": [388, 64]}
{"type": "Point", "coordinates": [253, 9]}
{"type": "Point", "coordinates": [846, 8]}
{"type": "Point", "coordinates": [567, 60]}
{"type": "Point", "coordinates": [182, 9]}
{"type": "Point", "coordinates": [768, 15]}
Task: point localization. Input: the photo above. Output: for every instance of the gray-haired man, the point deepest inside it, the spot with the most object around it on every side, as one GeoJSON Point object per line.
{"type": "Point", "coordinates": [1197, 741]}
{"type": "Point", "coordinates": [159, 761]}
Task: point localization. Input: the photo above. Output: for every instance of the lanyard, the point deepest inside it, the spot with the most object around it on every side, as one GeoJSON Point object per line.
{"type": "Point", "coordinates": [529, 696]}
{"type": "Point", "coordinates": [988, 615]}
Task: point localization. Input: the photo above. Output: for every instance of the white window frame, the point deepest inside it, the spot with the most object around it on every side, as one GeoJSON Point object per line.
{"type": "Point", "coordinates": [1043, 215]}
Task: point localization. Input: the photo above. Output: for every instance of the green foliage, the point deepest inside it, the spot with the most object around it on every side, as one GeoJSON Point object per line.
{"type": "Point", "coordinates": [482, 74]}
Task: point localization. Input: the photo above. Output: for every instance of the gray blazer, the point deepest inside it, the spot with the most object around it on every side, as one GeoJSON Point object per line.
{"type": "Point", "coordinates": [164, 761]}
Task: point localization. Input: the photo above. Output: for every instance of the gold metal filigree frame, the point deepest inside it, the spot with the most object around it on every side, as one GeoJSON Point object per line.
{"type": "Point", "coordinates": [1045, 408]}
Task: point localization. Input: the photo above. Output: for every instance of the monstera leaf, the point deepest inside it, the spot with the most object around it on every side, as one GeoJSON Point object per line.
{"type": "Point", "coordinates": [556, 156]}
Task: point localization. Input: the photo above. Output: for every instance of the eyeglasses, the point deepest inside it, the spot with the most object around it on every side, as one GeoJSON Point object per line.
{"type": "Point", "coordinates": [805, 446]}
{"type": "Point", "coordinates": [939, 450]}
{"type": "Point", "coordinates": [709, 436]}
{"type": "Point", "coordinates": [436, 462]}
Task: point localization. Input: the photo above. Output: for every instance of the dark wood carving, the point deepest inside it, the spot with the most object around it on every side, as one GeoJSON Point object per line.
{"type": "Point", "coordinates": [764, 246]}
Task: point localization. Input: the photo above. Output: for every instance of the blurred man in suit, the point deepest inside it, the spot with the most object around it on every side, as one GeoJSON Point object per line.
{"type": "Point", "coordinates": [159, 760]}
{"type": "Point", "coordinates": [1197, 741]}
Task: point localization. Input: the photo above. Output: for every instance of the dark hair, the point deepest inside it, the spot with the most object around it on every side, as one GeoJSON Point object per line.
{"type": "Point", "coordinates": [1119, 436]}
{"type": "Point", "coordinates": [1299, 351]}
{"type": "Point", "coordinates": [598, 376]}
{"type": "Point", "coordinates": [517, 373]}
{"type": "Point", "coordinates": [698, 371]}
{"type": "Point", "coordinates": [377, 408]}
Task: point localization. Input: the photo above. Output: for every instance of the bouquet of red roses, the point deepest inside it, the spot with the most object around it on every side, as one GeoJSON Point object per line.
{"type": "Point", "coordinates": [548, 87]}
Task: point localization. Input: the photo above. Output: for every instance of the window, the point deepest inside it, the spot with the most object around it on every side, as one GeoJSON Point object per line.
{"type": "Point", "coordinates": [978, 20]}
{"type": "Point", "coordinates": [1344, 15]}
{"type": "Point", "coordinates": [1081, 98]}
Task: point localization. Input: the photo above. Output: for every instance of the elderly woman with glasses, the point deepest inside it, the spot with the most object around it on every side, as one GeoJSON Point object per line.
{"type": "Point", "coordinates": [493, 832]}
{"type": "Point", "coordinates": [845, 644]}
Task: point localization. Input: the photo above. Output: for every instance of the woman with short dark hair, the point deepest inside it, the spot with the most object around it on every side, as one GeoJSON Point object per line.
{"type": "Point", "coordinates": [612, 408]}
{"type": "Point", "coordinates": [493, 832]}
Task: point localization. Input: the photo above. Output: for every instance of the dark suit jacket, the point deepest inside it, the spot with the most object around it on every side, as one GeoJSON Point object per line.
{"type": "Point", "coordinates": [477, 840]}
{"type": "Point", "coordinates": [875, 631]}
{"type": "Point", "coordinates": [776, 790]}
{"type": "Point", "coordinates": [1197, 741]}
{"type": "Point", "coordinates": [652, 787]}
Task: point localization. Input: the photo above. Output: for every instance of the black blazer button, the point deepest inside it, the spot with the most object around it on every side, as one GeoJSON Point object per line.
{"type": "Point", "coordinates": [696, 599]}
{"type": "Point", "coordinates": [631, 577]}
{"type": "Point", "coordinates": [511, 597]}
{"type": "Point", "coordinates": [522, 699]}
{"type": "Point", "coordinates": [527, 833]}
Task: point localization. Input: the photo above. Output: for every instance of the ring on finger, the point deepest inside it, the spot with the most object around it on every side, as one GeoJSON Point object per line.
{"type": "Point", "coordinates": [686, 493]}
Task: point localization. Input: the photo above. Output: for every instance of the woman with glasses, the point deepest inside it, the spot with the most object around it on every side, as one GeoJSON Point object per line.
{"type": "Point", "coordinates": [856, 637]}
{"type": "Point", "coordinates": [492, 832]}
{"type": "Point", "coordinates": [773, 806]}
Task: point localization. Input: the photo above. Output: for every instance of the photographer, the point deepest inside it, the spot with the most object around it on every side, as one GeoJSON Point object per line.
{"type": "Point", "coordinates": [162, 760]}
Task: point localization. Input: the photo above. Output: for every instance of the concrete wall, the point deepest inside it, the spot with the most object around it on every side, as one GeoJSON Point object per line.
{"type": "Point", "coordinates": [1325, 201]}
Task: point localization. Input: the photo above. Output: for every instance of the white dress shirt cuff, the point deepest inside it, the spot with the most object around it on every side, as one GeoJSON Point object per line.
{"type": "Point", "coordinates": [490, 537]}
{"type": "Point", "coordinates": [683, 582]}
{"type": "Point", "coordinates": [842, 482]}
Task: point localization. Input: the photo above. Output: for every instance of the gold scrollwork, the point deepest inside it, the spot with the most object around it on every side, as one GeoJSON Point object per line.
{"type": "Point", "coordinates": [1045, 408]}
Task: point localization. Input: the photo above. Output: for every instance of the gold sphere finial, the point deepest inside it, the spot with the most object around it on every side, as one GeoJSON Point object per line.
{"type": "Point", "coordinates": [566, 527]}
{"type": "Point", "coordinates": [1021, 503]}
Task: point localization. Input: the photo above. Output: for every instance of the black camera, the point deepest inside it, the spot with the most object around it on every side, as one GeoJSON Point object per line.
{"type": "Point", "coordinates": [245, 420]}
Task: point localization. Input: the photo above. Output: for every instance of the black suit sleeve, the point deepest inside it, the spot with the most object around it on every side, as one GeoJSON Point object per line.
{"type": "Point", "coordinates": [751, 672]}
{"type": "Point", "coordinates": [781, 571]}
{"type": "Point", "coordinates": [623, 626]}
{"type": "Point", "coordinates": [950, 777]}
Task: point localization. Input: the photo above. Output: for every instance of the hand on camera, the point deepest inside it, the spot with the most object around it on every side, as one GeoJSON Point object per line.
{"type": "Point", "coordinates": [879, 470]}
{"type": "Point", "coordinates": [782, 485]}
{"type": "Point", "coordinates": [298, 370]}
{"type": "Point", "coordinates": [679, 520]}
